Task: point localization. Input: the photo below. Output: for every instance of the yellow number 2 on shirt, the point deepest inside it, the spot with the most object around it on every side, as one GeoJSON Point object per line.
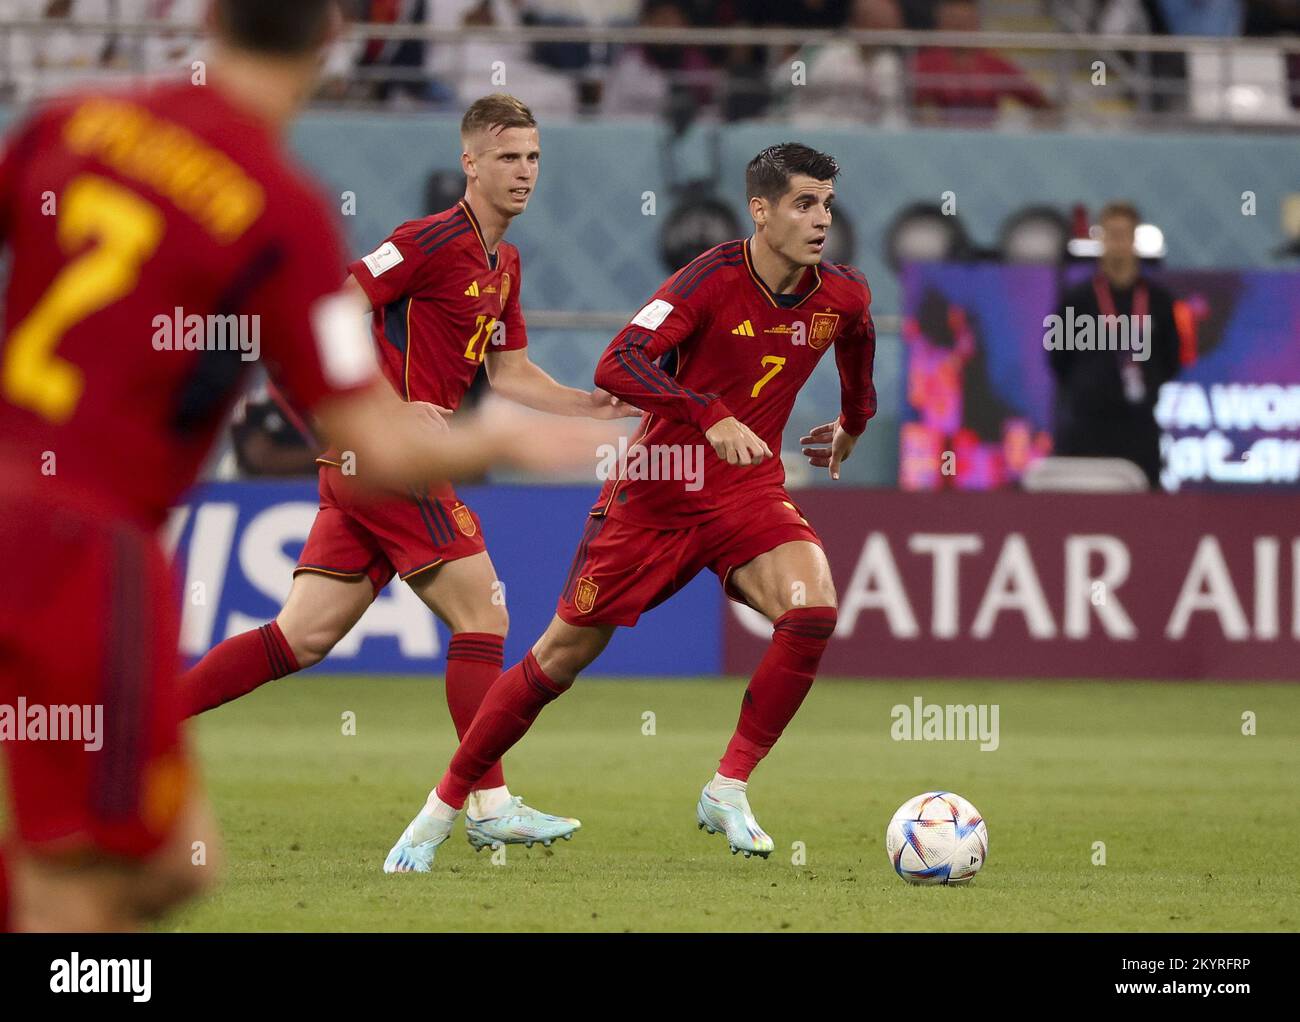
{"type": "Point", "coordinates": [777, 362]}
{"type": "Point", "coordinates": [128, 230]}
{"type": "Point", "coordinates": [485, 325]}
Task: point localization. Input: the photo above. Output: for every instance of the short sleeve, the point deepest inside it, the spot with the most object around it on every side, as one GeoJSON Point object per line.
{"type": "Point", "coordinates": [397, 268]}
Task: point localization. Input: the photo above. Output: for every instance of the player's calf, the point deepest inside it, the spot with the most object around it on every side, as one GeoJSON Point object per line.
{"type": "Point", "coordinates": [306, 648]}
{"type": "Point", "coordinates": [778, 687]}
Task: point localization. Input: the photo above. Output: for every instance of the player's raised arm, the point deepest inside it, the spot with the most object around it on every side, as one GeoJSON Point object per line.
{"type": "Point", "coordinates": [629, 370]}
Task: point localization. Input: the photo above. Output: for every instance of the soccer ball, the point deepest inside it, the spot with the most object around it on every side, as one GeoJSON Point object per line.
{"type": "Point", "coordinates": [937, 838]}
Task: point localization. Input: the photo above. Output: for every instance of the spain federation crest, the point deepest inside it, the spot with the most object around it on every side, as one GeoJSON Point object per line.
{"type": "Point", "coordinates": [464, 520]}
{"type": "Point", "coordinates": [505, 290]}
{"type": "Point", "coordinates": [585, 596]}
{"type": "Point", "coordinates": [822, 329]}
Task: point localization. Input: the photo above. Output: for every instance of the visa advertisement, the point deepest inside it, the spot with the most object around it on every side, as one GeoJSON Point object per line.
{"type": "Point", "coordinates": [236, 544]}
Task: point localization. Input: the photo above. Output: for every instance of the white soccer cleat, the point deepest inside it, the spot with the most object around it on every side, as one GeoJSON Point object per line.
{"type": "Point", "coordinates": [412, 856]}
{"type": "Point", "coordinates": [518, 824]}
{"type": "Point", "coordinates": [727, 810]}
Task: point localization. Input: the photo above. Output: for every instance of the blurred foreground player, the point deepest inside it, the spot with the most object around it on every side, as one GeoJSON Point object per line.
{"type": "Point", "coordinates": [118, 209]}
{"type": "Point", "coordinates": [445, 292]}
{"type": "Point", "coordinates": [718, 355]}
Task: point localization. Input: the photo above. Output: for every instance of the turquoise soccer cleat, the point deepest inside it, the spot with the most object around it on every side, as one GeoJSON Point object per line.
{"type": "Point", "coordinates": [518, 824]}
{"type": "Point", "coordinates": [728, 811]}
{"type": "Point", "coordinates": [411, 856]}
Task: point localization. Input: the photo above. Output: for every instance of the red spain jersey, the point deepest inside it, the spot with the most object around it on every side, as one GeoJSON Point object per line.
{"type": "Point", "coordinates": [441, 303]}
{"type": "Point", "coordinates": [160, 243]}
{"type": "Point", "coordinates": [714, 342]}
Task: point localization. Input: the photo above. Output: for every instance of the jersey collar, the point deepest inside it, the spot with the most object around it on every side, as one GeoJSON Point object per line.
{"type": "Point", "coordinates": [768, 293]}
{"type": "Point", "coordinates": [492, 260]}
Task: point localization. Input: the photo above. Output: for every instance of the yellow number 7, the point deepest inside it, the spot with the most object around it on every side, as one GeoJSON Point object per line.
{"type": "Point", "coordinates": [128, 230]}
{"type": "Point", "coordinates": [777, 362]}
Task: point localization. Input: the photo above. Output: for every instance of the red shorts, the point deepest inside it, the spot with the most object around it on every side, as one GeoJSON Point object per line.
{"type": "Point", "coordinates": [358, 535]}
{"type": "Point", "coordinates": [90, 714]}
{"type": "Point", "coordinates": [622, 570]}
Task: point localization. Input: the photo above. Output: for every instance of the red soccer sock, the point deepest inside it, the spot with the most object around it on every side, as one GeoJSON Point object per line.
{"type": "Point", "coordinates": [473, 664]}
{"type": "Point", "coordinates": [784, 676]}
{"type": "Point", "coordinates": [508, 711]}
{"type": "Point", "coordinates": [236, 667]}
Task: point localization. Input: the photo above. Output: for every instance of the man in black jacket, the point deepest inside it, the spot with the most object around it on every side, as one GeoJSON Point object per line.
{"type": "Point", "coordinates": [1105, 399]}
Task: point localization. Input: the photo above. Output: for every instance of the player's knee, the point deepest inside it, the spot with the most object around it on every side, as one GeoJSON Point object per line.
{"type": "Point", "coordinates": [806, 629]}
{"type": "Point", "coordinates": [312, 645]}
{"type": "Point", "coordinates": [801, 597]}
{"type": "Point", "coordinates": [488, 619]}
{"type": "Point", "coordinates": [565, 655]}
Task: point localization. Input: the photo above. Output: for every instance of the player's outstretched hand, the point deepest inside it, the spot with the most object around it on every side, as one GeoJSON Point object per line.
{"type": "Point", "coordinates": [434, 413]}
{"type": "Point", "coordinates": [831, 446]}
{"type": "Point", "coordinates": [541, 444]}
{"type": "Point", "coordinates": [735, 443]}
{"type": "Point", "coordinates": [605, 405]}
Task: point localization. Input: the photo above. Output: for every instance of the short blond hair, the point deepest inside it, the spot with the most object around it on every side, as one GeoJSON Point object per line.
{"type": "Point", "coordinates": [496, 112]}
{"type": "Point", "coordinates": [1122, 208]}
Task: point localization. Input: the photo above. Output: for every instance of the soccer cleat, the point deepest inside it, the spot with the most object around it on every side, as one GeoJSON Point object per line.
{"type": "Point", "coordinates": [728, 811]}
{"type": "Point", "coordinates": [411, 856]}
{"type": "Point", "coordinates": [518, 824]}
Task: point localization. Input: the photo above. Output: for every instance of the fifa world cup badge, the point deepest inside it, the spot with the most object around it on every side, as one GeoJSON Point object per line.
{"type": "Point", "coordinates": [464, 520]}
{"type": "Point", "coordinates": [822, 329]}
{"type": "Point", "coordinates": [505, 290]}
{"type": "Point", "coordinates": [585, 597]}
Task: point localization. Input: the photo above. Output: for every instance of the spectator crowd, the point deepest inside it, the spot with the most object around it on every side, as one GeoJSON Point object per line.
{"type": "Point", "coordinates": [842, 80]}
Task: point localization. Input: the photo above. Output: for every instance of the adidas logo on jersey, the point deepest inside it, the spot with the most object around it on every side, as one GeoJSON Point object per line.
{"type": "Point", "coordinates": [472, 290]}
{"type": "Point", "coordinates": [746, 329]}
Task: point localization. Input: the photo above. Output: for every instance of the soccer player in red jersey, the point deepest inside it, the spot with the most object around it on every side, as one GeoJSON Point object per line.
{"type": "Point", "coordinates": [445, 295]}
{"type": "Point", "coordinates": [118, 210]}
{"type": "Point", "coordinates": [718, 356]}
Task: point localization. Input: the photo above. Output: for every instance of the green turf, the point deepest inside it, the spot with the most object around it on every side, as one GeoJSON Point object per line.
{"type": "Point", "coordinates": [1200, 822]}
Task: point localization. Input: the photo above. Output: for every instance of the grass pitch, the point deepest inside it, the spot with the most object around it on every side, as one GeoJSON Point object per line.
{"type": "Point", "coordinates": [1199, 822]}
